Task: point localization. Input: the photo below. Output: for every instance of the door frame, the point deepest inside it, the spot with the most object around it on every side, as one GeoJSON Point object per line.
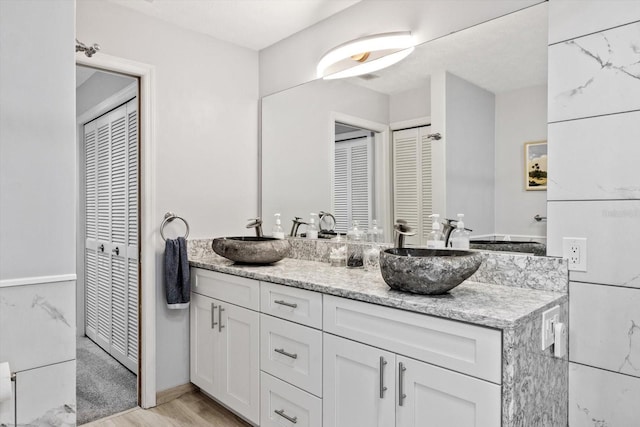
{"type": "Point", "coordinates": [148, 236]}
{"type": "Point", "coordinates": [381, 167]}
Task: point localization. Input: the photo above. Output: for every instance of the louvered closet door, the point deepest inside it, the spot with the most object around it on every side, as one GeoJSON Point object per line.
{"type": "Point", "coordinates": [412, 181]}
{"type": "Point", "coordinates": [353, 183]}
{"type": "Point", "coordinates": [111, 255]}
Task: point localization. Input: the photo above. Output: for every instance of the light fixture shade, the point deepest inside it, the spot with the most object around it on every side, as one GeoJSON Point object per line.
{"type": "Point", "coordinates": [365, 55]}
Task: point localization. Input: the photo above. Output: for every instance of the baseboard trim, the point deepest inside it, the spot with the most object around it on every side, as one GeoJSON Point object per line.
{"type": "Point", "coordinates": [7, 283]}
{"type": "Point", "coordinates": [174, 393]}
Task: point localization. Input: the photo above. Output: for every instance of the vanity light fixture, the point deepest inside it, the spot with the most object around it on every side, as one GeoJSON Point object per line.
{"type": "Point", "coordinates": [365, 55]}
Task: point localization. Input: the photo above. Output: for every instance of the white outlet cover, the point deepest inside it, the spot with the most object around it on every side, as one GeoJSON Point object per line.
{"type": "Point", "coordinates": [574, 250]}
{"type": "Point", "coordinates": [549, 318]}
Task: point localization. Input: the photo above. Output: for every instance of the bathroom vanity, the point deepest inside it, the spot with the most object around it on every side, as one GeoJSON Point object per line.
{"type": "Point", "coordinates": [306, 344]}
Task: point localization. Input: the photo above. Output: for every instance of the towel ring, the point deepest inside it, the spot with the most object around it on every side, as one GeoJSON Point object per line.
{"type": "Point", "coordinates": [168, 217]}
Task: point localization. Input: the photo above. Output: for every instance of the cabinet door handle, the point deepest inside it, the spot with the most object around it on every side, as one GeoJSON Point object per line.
{"type": "Point", "coordinates": [401, 395]}
{"type": "Point", "coordinates": [213, 315]}
{"type": "Point", "coordinates": [281, 351]}
{"type": "Point", "coordinates": [116, 250]}
{"type": "Point", "coordinates": [288, 304]}
{"type": "Point", "coordinates": [382, 387]}
{"type": "Point", "coordinates": [220, 325]}
{"type": "Point", "coordinates": [285, 416]}
{"type": "Point", "coordinates": [101, 247]}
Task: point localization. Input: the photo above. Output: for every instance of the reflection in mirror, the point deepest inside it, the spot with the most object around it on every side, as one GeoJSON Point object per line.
{"type": "Point", "coordinates": [482, 89]}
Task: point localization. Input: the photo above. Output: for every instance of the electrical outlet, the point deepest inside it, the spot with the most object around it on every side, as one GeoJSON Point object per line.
{"type": "Point", "coordinates": [549, 319]}
{"type": "Point", "coordinates": [574, 249]}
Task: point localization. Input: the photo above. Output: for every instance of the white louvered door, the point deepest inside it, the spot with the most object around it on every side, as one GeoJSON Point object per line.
{"type": "Point", "coordinates": [412, 181]}
{"type": "Point", "coordinates": [111, 253]}
{"type": "Point", "coordinates": [352, 183]}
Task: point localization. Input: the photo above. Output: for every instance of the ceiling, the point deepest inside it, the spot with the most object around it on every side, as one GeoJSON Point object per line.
{"type": "Point", "coordinates": [254, 24]}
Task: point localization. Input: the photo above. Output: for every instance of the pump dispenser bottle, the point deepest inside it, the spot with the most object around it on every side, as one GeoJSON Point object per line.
{"type": "Point", "coordinates": [459, 238]}
{"type": "Point", "coordinates": [278, 232]}
{"type": "Point", "coordinates": [435, 240]}
{"type": "Point", "coordinates": [312, 228]}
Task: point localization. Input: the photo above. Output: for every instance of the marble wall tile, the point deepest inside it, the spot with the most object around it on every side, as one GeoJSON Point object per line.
{"type": "Point", "coordinates": [605, 327]}
{"type": "Point", "coordinates": [591, 158]}
{"type": "Point", "coordinates": [595, 74]}
{"type": "Point", "coordinates": [573, 18]}
{"type": "Point", "coordinates": [47, 396]}
{"type": "Point", "coordinates": [37, 324]}
{"type": "Point", "coordinates": [611, 229]}
{"type": "Point", "coordinates": [599, 398]}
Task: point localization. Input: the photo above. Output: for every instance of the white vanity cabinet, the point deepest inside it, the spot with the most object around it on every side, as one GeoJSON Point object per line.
{"type": "Point", "coordinates": [368, 386]}
{"type": "Point", "coordinates": [225, 340]}
{"type": "Point", "coordinates": [290, 356]}
{"type": "Point", "coordinates": [283, 356]}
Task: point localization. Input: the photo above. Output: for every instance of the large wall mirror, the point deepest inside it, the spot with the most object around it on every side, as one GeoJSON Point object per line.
{"type": "Point", "coordinates": [443, 131]}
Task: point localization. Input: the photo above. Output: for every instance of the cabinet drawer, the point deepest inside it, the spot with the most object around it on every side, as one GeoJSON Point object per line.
{"type": "Point", "coordinates": [236, 290]}
{"type": "Point", "coordinates": [292, 353]}
{"type": "Point", "coordinates": [282, 403]}
{"type": "Point", "coordinates": [297, 305]}
{"type": "Point", "coordinates": [462, 347]}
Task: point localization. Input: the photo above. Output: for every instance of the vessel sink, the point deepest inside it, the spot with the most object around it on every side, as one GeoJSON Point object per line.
{"type": "Point", "coordinates": [427, 271]}
{"type": "Point", "coordinates": [251, 249]}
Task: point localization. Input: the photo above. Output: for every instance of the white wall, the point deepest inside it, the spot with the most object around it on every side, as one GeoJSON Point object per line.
{"type": "Point", "coordinates": [205, 140]}
{"type": "Point", "coordinates": [99, 87]}
{"type": "Point", "coordinates": [469, 138]}
{"type": "Point", "coordinates": [293, 61]}
{"type": "Point", "coordinates": [410, 104]}
{"type": "Point", "coordinates": [594, 128]}
{"type": "Point", "coordinates": [297, 168]}
{"type": "Point", "coordinates": [37, 206]}
{"type": "Point", "coordinates": [521, 116]}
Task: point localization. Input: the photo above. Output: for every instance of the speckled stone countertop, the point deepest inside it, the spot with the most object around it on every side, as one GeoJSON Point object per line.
{"type": "Point", "coordinates": [496, 306]}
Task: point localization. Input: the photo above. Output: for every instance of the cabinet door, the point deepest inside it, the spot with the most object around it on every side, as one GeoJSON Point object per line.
{"type": "Point", "coordinates": [239, 331]}
{"type": "Point", "coordinates": [355, 376]}
{"type": "Point", "coordinates": [436, 397]}
{"type": "Point", "coordinates": [205, 343]}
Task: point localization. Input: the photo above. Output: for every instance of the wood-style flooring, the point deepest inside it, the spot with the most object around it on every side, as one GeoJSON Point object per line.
{"type": "Point", "coordinates": [191, 409]}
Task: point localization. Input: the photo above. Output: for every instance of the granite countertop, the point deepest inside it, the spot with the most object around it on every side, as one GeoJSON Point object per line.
{"type": "Point", "coordinates": [495, 306]}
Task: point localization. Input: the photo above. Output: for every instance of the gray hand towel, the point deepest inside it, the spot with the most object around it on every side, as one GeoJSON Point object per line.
{"type": "Point", "coordinates": [176, 273]}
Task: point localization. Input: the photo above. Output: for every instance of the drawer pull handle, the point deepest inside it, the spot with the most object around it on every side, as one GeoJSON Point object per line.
{"type": "Point", "coordinates": [213, 315]}
{"type": "Point", "coordinates": [382, 387]}
{"type": "Point", "coordinates": [401, 395]}
{"type": "Point", "coordinates": [281, 351]}
{"type": "Point", "coordinates": [288, 304]}
{"type": "Point", "coordinates": [285, 416]}
{"type": "Point", "coordinates": [220, 325]}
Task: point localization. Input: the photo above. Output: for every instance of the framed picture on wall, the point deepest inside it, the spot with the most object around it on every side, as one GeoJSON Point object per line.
{"type": "Point", "coordinates": [535, 165]}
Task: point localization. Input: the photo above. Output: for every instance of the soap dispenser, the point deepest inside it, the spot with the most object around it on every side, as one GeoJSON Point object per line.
{"type": "Point", "coordinates": [435, 240]}
{"type": "Point", "coordinates": [354, 246]}
{"type": "Point", "coordinates": [375, 232]}
{"type": "Point", "coordinates": [278, 232]}
{"type": "Point", "coordinates": [312, 228]}
{"type": "Point", "coordinates": [459, 238]}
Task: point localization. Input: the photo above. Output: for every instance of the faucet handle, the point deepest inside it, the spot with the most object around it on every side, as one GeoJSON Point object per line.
{"type": "Point", "coordinates": [254, 222]}
{"type": "Point", "coordinates": [402, 227]}
{"type": "Point", "coordinates": [257, 224]}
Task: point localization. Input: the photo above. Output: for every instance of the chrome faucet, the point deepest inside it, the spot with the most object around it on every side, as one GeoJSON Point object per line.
{"type": "Point", "coordinates": [257, 224]}
{"type": "Point", "coordinates": [401, 229]}
{"type": "Point", "coordinates": [295, 225]}
{"type": "Point", "coordinates": [448, 225]}
{"type": "Point", "coordinates": [447, 228]}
